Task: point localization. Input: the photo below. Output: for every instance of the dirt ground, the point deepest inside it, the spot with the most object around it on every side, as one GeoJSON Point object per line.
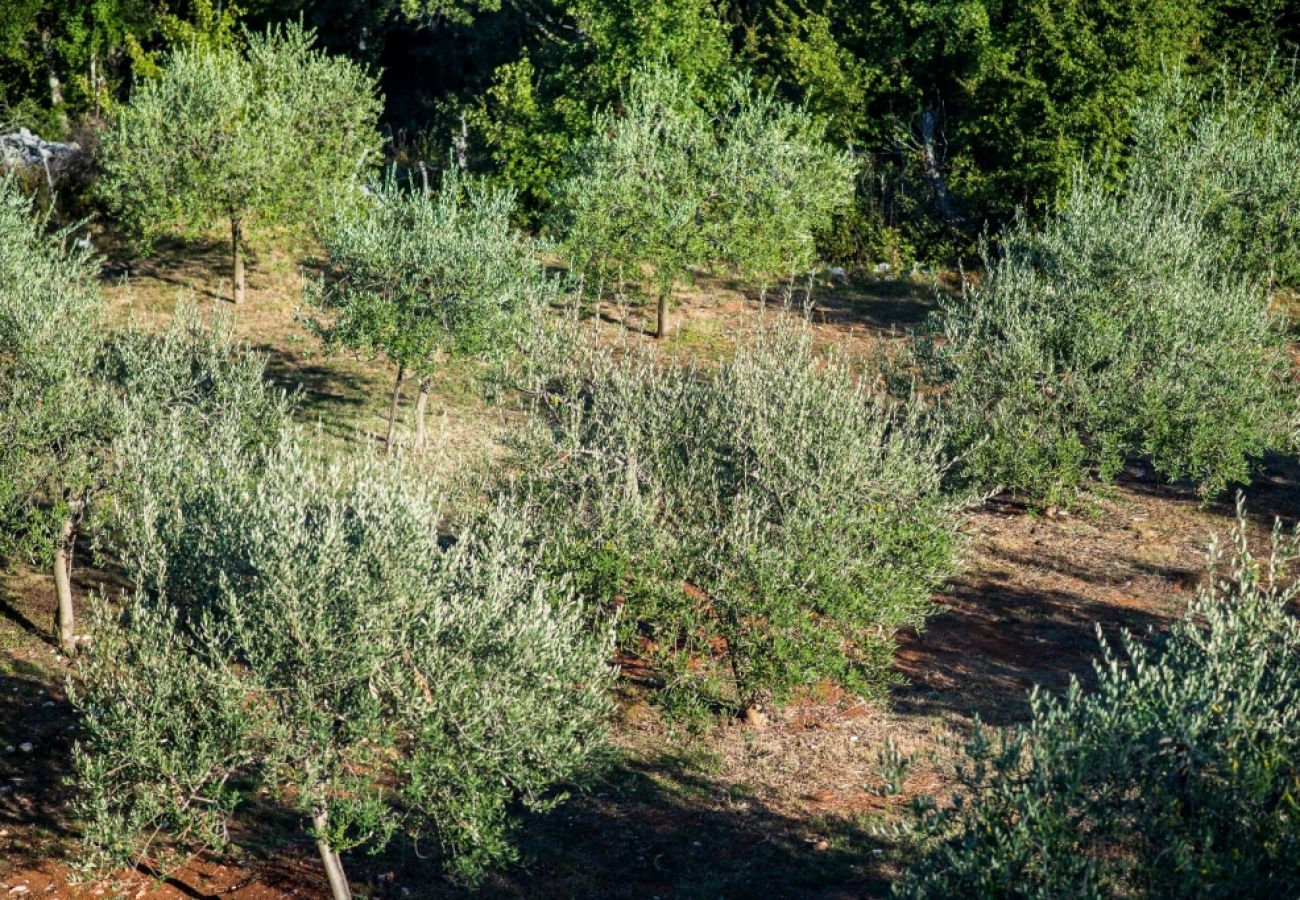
{"type": "Point", "coordinates": [791, 807]}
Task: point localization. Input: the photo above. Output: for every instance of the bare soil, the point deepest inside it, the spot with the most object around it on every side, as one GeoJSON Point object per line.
{"type": "Point", "coordinates": [790, 807]}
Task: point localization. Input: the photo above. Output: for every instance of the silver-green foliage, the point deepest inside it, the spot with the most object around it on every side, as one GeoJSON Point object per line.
{"type": "Point", "coordinates": [1178, 776]}
{"type": "Point", "coordinates": [761, 525]}
{"type": "Point", "coordinates": [1109, 333]}
{"type": "Point", "coordinates": [665, 183]}
{"type": "Point", "coordinates": [642, 185]}
{"type": "Point", "coordinates": [180, 397]}
{"type": "Point", "coordinates": [51, 409]}
{"type": "Point", "coordinates": [269, 134]}
{"type": "Point", "coordinates": [419, 274]}
{"type": "Point", "coordinates": [1234, 156]}
{"type": "Point", "coordinates": [302, 625]}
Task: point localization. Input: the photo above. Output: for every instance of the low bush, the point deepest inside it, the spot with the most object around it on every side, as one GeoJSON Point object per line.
{"type": "Point", "coordinates": [303, 627]}
{"type": "Point", "coordinates": [761, 525]}
{"type": "Point", "coordinates": [1176, 777]}
{"type": "Point", "coordinates": [1110, 333]}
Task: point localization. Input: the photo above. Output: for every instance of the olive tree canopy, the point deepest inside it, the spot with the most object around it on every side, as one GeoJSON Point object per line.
{"type": "Point", "coordinates": [263, 135]}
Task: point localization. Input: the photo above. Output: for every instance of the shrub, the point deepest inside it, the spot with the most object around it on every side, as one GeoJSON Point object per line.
{"type": "Point", "coordinates": [1234, 157]}
{"type": "Point", "coordinates": [181, 398]}
{"type": "Point", "coordinates": [305, 628]}
{"type": "Point", "coordinates": [71, 401]}
{"type": "Point", "coordinates": [1175, 777]}
{"type": "Point", "coordinates": [774, 516]}
{"type": "Point", "coordinates": [421, 275]}
{"type": "Point", "coordinates": [1110, 333]}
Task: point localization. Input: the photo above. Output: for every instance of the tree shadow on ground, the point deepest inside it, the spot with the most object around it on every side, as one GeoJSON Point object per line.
{"type": "Point", "coordinates": [877, 306]}
{"type": "Point", "coordinates": [660, 828]}
{"type": "Point", "coordinates": [190, 264]}
{"type": "Point", "coordinates": [1028, 615]}
{"type": "Point", "coordinates": [663, 829]}
{"type": "Point", "coordinates": [328, 393]}
{"type": "Point", "coordinates": [14, 612]}
{"type": "Point", "coordinates": [37, 730]}
{"type": "Point", "coordinates": [1272, 493]}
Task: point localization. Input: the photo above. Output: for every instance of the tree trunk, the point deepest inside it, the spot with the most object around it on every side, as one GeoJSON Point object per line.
{"type": "Point", "coordinates": [930, 163]}
{"type": "Point", "coordinates": [339, 888]}
{"type": "Point", "coordinates": [392, 409]}
{"type": "Point", "coordinates": [51, 75]}
{"type": "Point", "coordinates": [460, 143]}
{"type": "Point", "coordinates": [661, 323]}
{"type": "Point", "coordinates": [63, 620]}
{"type": "Point", "coordinates": [237, 250]}
{"type": "Point", "coordinates": [421, 402]}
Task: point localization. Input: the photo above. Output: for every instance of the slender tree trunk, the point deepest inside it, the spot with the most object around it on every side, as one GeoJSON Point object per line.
{"type": "Point", "coordinates": [661, 323]}
{"type": "Point", "coordinates": [63, 621]}
{"type": "Point", "coordinates": [392, 408]}
{"type": "Point", "coordinates": [51, 75]}
{"type": "Point", "coordinates": [339, 888]}
{"type": "Point", "coordinates": [460, 144]}
{"type": "Point", "coordinates": [930, 164]}
{"type": "Point", "coordinates": [421, 402]}
{"type": "Point", "coordinates": [237, 251]}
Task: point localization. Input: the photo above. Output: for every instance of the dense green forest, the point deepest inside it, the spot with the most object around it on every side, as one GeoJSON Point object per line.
{"type": "Point", "coordinates": [957, 114]}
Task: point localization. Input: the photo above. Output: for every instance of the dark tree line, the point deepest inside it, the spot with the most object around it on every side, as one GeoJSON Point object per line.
{"type": "Point", "coordinates": [960, 111]}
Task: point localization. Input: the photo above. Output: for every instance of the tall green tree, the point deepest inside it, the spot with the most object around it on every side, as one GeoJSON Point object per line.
{"type": "Point", "coordinates": [265, 135]}
{"type": "Point", "coordinates": [419, 275]}
{"type": "Point", "coordinates": [664, 183]}
{"type": "Point", "coordinates": [974, 108]}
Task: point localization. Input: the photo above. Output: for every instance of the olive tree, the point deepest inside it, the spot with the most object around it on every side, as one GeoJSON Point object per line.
{"type": "Point", "coordinates": [1175, 776]}
{"type": "Point", "coordinates": [71, 397]}
{"type": "Point", "coordinates": [419, 275]}
{"type": "Point", "coordinates": [665, 183]}
{"type": "Point", "coordinates": [264, 135]}
{"type": "Point", "coordinates": [303, 625]}
{"type": "Point", "coordinates": [1234, 157]}
{"type": "Point", "coordinates": [1113, 332]}
{"type": "Point", "coordinates": [761, 525]}
{"type": "Point", "coordinates": [53, 411]}
{"type": "Point", "coordinates": [778, 183]}
{"type": "Point", "coordinates": [640, 195]}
